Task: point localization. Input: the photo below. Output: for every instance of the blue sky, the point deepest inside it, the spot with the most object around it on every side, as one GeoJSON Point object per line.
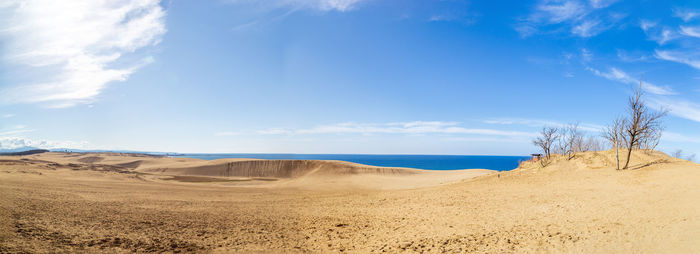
{"type": "Point", "coordinates": [339, 76]}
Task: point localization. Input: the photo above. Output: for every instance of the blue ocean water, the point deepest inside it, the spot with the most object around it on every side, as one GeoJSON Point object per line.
{"type": "Point", "coordinates": [433, 162]}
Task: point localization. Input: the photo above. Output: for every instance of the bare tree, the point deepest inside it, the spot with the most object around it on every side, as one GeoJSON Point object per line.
{"type": "Point", "coordinates": [651, 139]}
{"type": "Point", "coordinates": [642, 124]}
{"type": "Point", "coordinates": [680, 155]}
{"type": "Point", "coordinates": [677, 154]}
{"type": "Point", "coordinates": [571, 141]}
{"type": "Point", "coordinates": [546, 140]}
{"type": "Point", "coordinates": [594, 143]}
{"type": "Point", "coordinates": [590, 143]}
{"type": "Point", "coordinates": [613, 133]}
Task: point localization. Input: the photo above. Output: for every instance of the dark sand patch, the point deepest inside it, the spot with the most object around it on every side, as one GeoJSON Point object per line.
{"type": "Point", "coordinates": [91, 159]}
{"type": "Point", "coordinates": [131, 165]}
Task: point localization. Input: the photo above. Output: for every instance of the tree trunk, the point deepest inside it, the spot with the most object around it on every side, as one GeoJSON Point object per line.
{"type": "Point", "coordinates": [629, 154]}
{"type": "Point", "coordinates": [617, 154]}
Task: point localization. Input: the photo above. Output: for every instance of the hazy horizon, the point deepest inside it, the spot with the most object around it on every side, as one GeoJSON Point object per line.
{"type": "Point", "coordinates": [339, 76]}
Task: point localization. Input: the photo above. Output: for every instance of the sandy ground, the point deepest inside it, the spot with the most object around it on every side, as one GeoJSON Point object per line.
{"type": "Point", "coordinates": [58, 202]}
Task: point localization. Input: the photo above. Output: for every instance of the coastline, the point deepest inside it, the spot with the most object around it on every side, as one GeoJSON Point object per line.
{"type": "Point", "coordinates": [426, 162]}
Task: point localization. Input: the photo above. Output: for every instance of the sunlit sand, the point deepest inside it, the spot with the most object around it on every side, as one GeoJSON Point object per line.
{"type": "Point", "coordinates": [126, 203]}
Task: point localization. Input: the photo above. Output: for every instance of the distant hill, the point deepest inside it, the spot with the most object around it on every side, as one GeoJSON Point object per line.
{"type": "Point", "coordinates": [70, 150]}
{"type": "Point", "coordinates": [31, 148]}
{"type": "Point", "coordinates": [27, 152]}
{"type": "Point", "coordinates": [18, 149]}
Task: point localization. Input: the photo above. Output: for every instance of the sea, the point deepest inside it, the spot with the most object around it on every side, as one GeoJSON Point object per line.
{"type": "Point", "coordinates": [430, 162]}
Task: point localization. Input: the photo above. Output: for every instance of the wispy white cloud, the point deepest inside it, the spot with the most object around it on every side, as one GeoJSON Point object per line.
{"type": "Point", "coordinates": [20, 142]}
{"type": "Point", "coordinates": [8, 115]}
{"type": "Point", "coordinates": [322, 5]}
{"type": "Point", "coordinates": [276, 131]}
{"type": "Point", "coordinates": [538, 123]}
{"type": "Point", "coordinates": [272, 11]}
{"type": "Point", "coordinates": [685, 57]}
{"type": "Point", "coordinates": [580, 19]}
{"type": "Point", "coordinates": [692, 31]}
{"type": "Point", "coordinates": [666, 35]}
{"type": "Point", "coordinates": [559, 11]}
{"type": "Point", "coordinates": [525, 29]}
{"type": "Point", "coordinates": [647, 24]}
{"type": "Point", "coordinates": [658, 33]}
{"type": "Point", "coordinates": [601, 3]}
{"type": "Point", "coordinates": [618, 75]}
{"type": "Point", "coordinates": [631, 56]}
{"type": "Point", "coordinates": [587, 28]}
{"type": "Point", "coordinates": [17, 129]}
{"type": "Point", "coordinates": [340, 5]}
{"type": "Point", "coordinates": [663, 36]}
{"type": "Point", "coordinates": [490, 139]}
{"type": "Point", "coordinates": [455, 15]}
{"type": "Point", "coordinates": [678, 107]}
{"type": "Point", "coordinates": [77, 46]}
{"type": "Point", "coordinates": [661, 98]}
{"type": "Point", "coordinates": [264, 21]}
{"type": "Point", "coordinates": [417, 127]}
{"type": "Point", "coordinates": [586, 55]}
{"type": "Point", "coordinates": [686, 14]}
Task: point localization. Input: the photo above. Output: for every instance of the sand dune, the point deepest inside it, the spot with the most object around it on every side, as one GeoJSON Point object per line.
{"type": "Point", "coordinates": [131, 203]}
{"type": "Point", "coordinates": [310, 174]}
{"type": "Point", "coordinates": [303, 174]}
{"type": "Point", "coordinates": [277, 169]}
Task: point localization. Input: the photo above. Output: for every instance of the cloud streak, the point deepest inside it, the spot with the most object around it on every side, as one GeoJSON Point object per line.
{"type": "Point", "coordinates": [680, 108]}
{"type": "Point", "coordinates": [579, 18]}
{"type": "Point", "coordinates": [618, 75]}
{"type": "Point", "coordinates": [321, 5]}
{"type": "Point", "coordinates": [416, 128]}
{"type": "Point", "coordinates": [540, 123]}
{"type": "Point", "coordinates": [686, 14]}
{"type": "Point", "coordinates": [662, 98]}
{"type": "Point", "coordinates": [17, 129]}
{"type": "Point", "coordinates": [601, 3]}
{"type": "Point", "coordinates": [586, 28]}
{"type": "Point", "coordinates": [692, 31]}
{"type": "Point", "coordinates": [688, 58]}
{"type": "Point", "coordinates": [557, 12]}
{"type": "Point", "coordinates": [79, 49]}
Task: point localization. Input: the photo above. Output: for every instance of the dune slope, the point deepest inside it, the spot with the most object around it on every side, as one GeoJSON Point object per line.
{"type": "Point", "coordinates": [277, 169]}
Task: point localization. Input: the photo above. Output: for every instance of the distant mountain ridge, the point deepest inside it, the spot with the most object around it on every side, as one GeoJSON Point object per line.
{"type": "Point", "coordinates": [18, 149]}
{"type": "Point", "coordinates": [27, 152]}
{"type": "Point", "coordinates": [71, 150]}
